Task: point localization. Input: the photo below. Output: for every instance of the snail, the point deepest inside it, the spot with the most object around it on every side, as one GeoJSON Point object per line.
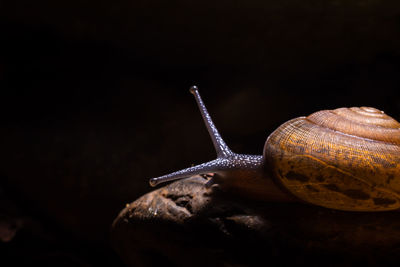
{"type": "Point", "coordinates": [344, 159]}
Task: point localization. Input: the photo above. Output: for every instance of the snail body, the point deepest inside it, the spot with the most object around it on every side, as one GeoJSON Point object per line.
{"type": "Point", "coordinates": [345, 159]}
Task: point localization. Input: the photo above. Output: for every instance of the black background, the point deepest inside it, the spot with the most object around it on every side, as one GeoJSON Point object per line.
{"type": "Point", "coordinates": [94, 97]}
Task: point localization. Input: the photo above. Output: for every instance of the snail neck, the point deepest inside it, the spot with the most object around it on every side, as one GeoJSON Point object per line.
{"type": "Point", "coordinates": [242, 161]}
{"type": "Point", "coordinates": [248, 176]}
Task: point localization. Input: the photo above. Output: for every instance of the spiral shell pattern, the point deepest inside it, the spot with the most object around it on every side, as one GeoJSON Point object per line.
{"type": "Point", "coordinates": [346, 159]}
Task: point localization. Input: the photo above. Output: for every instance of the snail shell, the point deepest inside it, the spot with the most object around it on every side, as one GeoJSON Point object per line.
{"type": "Point", "coordinates": [347, 159]}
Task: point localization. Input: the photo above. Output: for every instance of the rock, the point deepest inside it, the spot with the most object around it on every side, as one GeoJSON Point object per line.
{"type": "Point", "coordinates": [185, 223]}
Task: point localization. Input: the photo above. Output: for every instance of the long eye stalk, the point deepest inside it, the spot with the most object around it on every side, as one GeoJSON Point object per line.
{"type": "Point", "coordinates": [220, 146]}
{"type": "Point", "coordinates": [225, 160]}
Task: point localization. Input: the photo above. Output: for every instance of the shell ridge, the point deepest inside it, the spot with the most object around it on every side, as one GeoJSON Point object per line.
{"type": "Point", "coordinates": [364, 114]}
{"type": "Point", "coordinates": [351, 135]}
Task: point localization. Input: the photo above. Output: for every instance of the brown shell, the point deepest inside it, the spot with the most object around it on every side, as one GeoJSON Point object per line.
{"type": "Point", "coordinates": [346, 159]}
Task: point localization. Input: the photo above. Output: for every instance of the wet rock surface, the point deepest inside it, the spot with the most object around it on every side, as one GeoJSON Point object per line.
{"type": "Point", "coordinates": [187, 224]}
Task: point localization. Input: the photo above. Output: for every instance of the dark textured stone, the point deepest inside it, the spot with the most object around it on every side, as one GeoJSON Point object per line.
{"type": "Point", "coordinates": [186, 224]}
